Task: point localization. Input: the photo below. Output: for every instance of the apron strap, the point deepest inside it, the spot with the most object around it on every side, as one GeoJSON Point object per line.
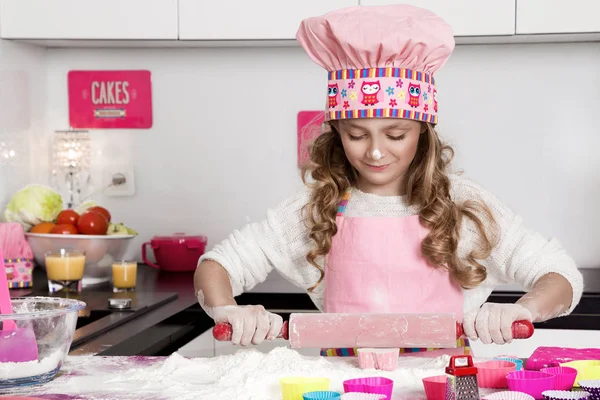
{"type": "Point", "coordinates": [352, 352]}
{"type": "Point", "coordinates": [344, 202]}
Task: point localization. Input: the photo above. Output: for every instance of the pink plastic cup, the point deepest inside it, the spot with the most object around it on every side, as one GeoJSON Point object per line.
{"type": "Point", "coordinates": [565, 376]}
{"type": "Point", "coordinates": [376, 385]}
{"type": "Point", "coordinates": [531, 382]}
{"type": "Point", "coordinates": [435, 387]}
{"type": "Point", "coordinates": [492, 374]}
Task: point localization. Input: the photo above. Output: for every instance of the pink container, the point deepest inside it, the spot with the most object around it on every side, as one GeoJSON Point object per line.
{"type": "Point", "coordinates": [176, 253]}
{"type": "Point", "coordinates": [492, 374]}
{"type": "Point", "coordinates": [435, 387]}
{"type": "Point", "coordinates": [531, 382]}
{"type": "Point", "coordinates": [565, 376]}
{"type": "Point", "coordinates": [377, 385]}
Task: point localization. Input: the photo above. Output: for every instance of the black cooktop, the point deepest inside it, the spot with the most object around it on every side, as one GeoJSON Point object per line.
{"type": "Point", "coordinates": [105, 310]}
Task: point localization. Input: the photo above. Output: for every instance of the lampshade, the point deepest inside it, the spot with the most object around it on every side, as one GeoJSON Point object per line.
{"type": "Point", "coordinates": [71, 162]}
{"type": "Point", "coordinates": [71, 150]}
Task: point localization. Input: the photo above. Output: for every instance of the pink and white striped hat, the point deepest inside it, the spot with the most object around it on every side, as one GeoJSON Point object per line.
{"type": "Point", "coordinates": [380, 60]}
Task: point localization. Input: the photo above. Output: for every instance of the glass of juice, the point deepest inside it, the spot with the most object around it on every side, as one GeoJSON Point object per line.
{"type": "Point", "coordinates": [64, 269]}
{"type": "Point", "coordinates": [124, 274]}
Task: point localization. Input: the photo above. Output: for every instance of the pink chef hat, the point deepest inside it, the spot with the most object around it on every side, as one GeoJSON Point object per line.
{"type": "Point", "coordinates": [380, 60]}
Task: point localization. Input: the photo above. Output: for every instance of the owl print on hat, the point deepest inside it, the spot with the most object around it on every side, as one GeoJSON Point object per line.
{"type": "Point", "coordinates": [414, 94]}
{"type": "Point", "coordinates": [333, 94]}
{"type": "Point", "coordinates": [435, 108]}
{"type": "Point", "coordinates": [369, 91]}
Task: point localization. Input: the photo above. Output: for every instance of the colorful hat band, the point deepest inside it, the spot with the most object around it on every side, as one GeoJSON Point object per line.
{"type": "Point", "coordinates": [381, 92]}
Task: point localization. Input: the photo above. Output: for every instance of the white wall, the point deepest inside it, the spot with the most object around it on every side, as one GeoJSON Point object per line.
{"type": "Point", "coordinates": [22, 102]}
{"type": "Point", "coordinates": [523, 119]}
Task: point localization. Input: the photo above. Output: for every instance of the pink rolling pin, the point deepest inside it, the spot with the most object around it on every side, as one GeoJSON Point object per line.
{"type": "Point", "coordinates": [520, 329]}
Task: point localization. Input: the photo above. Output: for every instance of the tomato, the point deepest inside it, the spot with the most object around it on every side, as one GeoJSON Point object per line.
{"type": "Point", "coordinates": [67, 217]}
{"type": "Point", "coordinates": [44, 227]}
{"type": "Point", "coordinates": [100, 210]}
{"type": "Point", "coordinates": [64, 229]}
{"type": "Point", "coordinates": [92, 223]}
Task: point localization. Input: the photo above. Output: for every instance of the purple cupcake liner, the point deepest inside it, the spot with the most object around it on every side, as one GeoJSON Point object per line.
{"type": "Point", "coordinates": [508, 395]}
{"type": "Point", "coordinates": [565, 395]}
{"type": "Point", "coordinates": [592, 387]}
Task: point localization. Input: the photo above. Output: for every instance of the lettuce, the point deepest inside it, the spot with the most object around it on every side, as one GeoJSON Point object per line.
{"type": "Point", "coordinates": [32, 205]}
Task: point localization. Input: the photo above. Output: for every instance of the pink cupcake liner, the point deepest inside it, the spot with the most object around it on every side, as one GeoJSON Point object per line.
{"type": "Point", "coordinates": [518, 362]}
{"type": "Point", "coordinates": [531, 382]}
{"type": "Point", "coordinates": [592, 387]}
{"type": "Point", "coordinates": [435, 387]}
{"type": "Point", "coordinates": [565, 377]}
{"type": "Point", "coordinates": [492, 374]}
{"type": "Point", "coordinates": [565, 395]}
{"type": "Point", "coordinates": [376, 385]}
{"type": "Point", "coordinates": [382, 359]}
{"type": "Point", "coordinates": [508, 395]}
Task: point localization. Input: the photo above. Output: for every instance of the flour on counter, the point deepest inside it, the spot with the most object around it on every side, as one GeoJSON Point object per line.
{"type": "Point", "coordinates": [16, 370]}
{"type": "Point", "coordinates": [245, 375]}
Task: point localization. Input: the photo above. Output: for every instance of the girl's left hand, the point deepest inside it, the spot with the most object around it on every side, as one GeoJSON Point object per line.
{"type": "Point", "coordinates": [492, 323]}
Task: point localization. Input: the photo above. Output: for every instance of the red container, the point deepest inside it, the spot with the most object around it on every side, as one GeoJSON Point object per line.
{"type": "Point", "coordinates": [176, 253]}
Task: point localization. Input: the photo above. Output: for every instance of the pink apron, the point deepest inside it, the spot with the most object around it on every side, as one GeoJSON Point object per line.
{"type": "Point", "coordinates": [375, 265]}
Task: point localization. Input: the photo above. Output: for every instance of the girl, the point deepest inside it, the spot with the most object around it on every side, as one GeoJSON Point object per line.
{"type": "Point", "coordinates": [382, 226]}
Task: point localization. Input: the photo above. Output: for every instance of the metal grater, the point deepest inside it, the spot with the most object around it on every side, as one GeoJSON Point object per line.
{"type": "Point", "coordinates": [462, 379]}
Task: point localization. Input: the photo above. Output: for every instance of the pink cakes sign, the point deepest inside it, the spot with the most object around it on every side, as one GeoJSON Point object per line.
{"type": "Point", "coordinates": [309, 127]}
{"type": "Point", "coordinates": [110, 99]}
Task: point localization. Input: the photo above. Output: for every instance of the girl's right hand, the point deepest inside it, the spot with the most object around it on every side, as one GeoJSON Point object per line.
{"type": "Point", "coordinates": [250, 324]}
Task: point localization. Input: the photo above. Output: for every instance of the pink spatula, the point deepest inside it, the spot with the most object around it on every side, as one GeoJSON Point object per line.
{"type": "Point", "coordinates": [16, 344]}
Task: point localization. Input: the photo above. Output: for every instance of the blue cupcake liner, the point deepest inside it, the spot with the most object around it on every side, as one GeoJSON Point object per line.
{"type": "Point", "coordinates": [322, 395]}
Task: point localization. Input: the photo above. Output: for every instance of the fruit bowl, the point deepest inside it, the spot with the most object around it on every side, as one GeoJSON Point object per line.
{"type": "Point", "coordinates": [100, 251]}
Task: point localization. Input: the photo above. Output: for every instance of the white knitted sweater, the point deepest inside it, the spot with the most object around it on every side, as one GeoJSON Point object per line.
{"type": "Point", "coordinates": [281, 242]}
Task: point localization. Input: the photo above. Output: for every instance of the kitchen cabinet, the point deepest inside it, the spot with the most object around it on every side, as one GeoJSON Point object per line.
{"type": "Point", "coordinates": [88, 19]}
{"type": "Point", "coordinates": [557, 16]}
{"type": "Point", "coordinates": [468, 17]}
{"type": "Point", "coordinates": [249, 20]}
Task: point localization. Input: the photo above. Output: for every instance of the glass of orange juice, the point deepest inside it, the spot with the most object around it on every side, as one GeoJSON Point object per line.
{"type": "Point", "coordinates": [124, 274]}
{"type": "Point", "coordinates": [64, 269]}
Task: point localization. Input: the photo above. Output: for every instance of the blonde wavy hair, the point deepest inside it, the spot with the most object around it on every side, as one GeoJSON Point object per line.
{"type": "Point", "coordinates": [427, 186]}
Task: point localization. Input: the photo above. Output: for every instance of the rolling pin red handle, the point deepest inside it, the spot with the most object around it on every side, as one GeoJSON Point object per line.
{"type": "Point", "coordinates": [520, 330]}
{"type": "Point", "coordinates": [223, 330]}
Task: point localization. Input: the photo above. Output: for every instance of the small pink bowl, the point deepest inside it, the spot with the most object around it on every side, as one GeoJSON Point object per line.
{"type": "Point", "coordinates": [565, 376]}
{"type": "Point", "coordinates": [435, 387]}
{"type": "Point", "coordinates": [376, 384]}
{"type": "Point", "coordinates": [492, 374]}
{"type": "Point", "coordinates": [531, 382]}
